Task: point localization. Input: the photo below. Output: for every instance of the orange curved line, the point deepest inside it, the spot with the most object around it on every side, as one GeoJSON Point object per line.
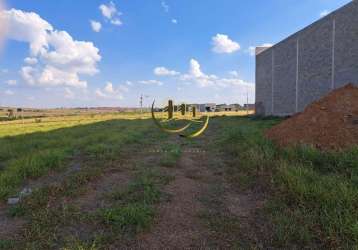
{"type": "Point", "coordinates": [165, 129]}
{"type": "Point", "coordinates": [200, 131]}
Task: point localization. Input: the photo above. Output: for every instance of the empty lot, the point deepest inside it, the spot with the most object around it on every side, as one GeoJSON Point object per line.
{"type": "Point", "coordinates": [113, 182]}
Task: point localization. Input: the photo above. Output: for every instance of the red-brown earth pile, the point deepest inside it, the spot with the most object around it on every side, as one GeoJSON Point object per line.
{"type": "Point", "coordinates": [330, 123]}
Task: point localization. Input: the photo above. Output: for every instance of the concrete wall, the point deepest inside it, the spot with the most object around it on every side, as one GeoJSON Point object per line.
{"type": "Point", "coordinates": [285, 66]}
{"type": "Point", "coordinates": [309, 64]}
{"type": "Point", "coordinates": [264, 77]}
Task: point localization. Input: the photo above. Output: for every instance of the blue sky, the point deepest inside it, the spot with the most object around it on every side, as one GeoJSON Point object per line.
{"type": "Point", "coordinates": [192, 51]}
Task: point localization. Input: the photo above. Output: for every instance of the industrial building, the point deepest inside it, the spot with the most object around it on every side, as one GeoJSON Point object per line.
{"type": "Point", "coordinates": [309, 64]}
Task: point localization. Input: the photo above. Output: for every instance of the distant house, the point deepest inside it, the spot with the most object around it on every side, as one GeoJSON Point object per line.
{"type": "Point", "coordinates": [249, 106]}
{"type": "Point", "coordinates": [220, 107]}
{"type": "Point", "coordinates": [226, 107]}
{"type": "Point", "coordinates": [207, 107]}
{"type": "Point", "coordinates": [210, 107]}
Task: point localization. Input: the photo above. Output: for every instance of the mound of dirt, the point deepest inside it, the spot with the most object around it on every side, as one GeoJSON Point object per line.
{"type": "Point", "coordinates": [330, 123]}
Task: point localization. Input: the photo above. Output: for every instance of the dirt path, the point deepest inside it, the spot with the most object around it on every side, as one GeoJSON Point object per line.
{"type": "Point", "coordinates": [205, 211]}
{"type": "Point", "coordinates": [177, 225]}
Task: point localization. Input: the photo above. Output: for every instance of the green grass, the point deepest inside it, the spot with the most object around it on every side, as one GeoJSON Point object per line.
{"type": "Point", "coordinates": [170, 153]}
{"type": "Point", "coordinates": [94, 147]}
{"type": "Point", "coordinates": [135, 215]}
{"type": "Point", "coordinates": [6, 244]}
{"type": "Point", "coordinates": [133, 208]}
{"type": "Point", "coordinates": [314, 194]}
{"type": "Point", "coordinates": [33, 155]}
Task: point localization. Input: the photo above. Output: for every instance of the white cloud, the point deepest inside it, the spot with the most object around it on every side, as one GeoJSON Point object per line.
{"type": "Point", "coordinates": [110, 92]}
{"type": "Point", "coordinates": [96, 26]}
{"type": "Point", "coordinates": [110, 12]}
{"type": "Point", "coordinates": [51, 76]}
{"type": "Point", "coordinates": [165, 6]}
{"type": "Point", "coordinates": [27, 27]}
{"type": "Point", "coordinates": [151, 82]}
{"type": "Point", "coordinates": [196, 75]}
{"type": "Point", "coordinates": [162, 71]}
{"type": "Point", "coordinates": [30, 60]}
{"type": "Point", "coordinates": [266, 45]}
{"type": "Point", "coordinates": [9, 92]}
{"type": "Point", "coordinates": [69, 94]}
{"type": "Point", "coordinates": [4, 71]}
{"type": "Point", "coordinates": [99, 93]}
{"type": "Point", "coordinates": [109, 88]}
{"type": "Point", "coordinates": [195, 68]}
{"type": "Point", "coordinates": [62, 59]}
{"type": "Point", "coordinates": [227, 82]}
{"type": "Point", "coordinates": [223, 44]}
{"type": "Point", "coordinates": [129, 83]}
{"type": "Point", "coordinates": [26, 73]}
{"type": "Point", "coordinates": [174, 21]}
{"type": "Point", "coordinates": [122, 89]}
{"type": "Point", "coordinates": [116, 22]}
{"type": "Point", "coordinates": [234, 73]}
{"type": "Point", "coordinates": [11, 82]}
{"type": "Point", "coordinates": [324, 13]}
{"type": "Point", "coordinates": [232, 87]}
{"type": "Point", "coordinates": [252, 49]}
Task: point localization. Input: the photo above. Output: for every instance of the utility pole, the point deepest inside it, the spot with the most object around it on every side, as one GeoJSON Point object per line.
{"type": "Point", "coordinates": [247, 102]}
{"type": "Point", "coordinates": [141, 103]}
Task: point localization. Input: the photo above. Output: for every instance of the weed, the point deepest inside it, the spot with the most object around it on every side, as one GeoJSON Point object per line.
{"type": "Point", "coordinates": [170, 155]}
{"type": "Point", "coordinates": [6, 244]}
{"type": "Point", "coordinates": [133, 209]}
{"type": "Point", "coordinates": [133, 216]}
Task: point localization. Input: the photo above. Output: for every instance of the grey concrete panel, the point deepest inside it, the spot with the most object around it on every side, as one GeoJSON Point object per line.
{"type": "Point", "coordinates": [346, 46]}
{"type": "Point", "coordinates": [264, 78]}
{"type": "Point", "coordinates": [327, 59]}
{"type": "Point", "coordinates": [315, 63]}
{"type": "Point", "coordinates": [285, 77]}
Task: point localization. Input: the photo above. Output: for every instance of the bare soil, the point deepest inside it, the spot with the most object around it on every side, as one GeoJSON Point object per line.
{"type": "Point", "coordinates": [177, 225]}
{"type": "Point", "coordinates": [9, 226]}
{"type": "Point", "coordinates": [204, 210]}
{"type": "Point", "coordinates": [330, 123]}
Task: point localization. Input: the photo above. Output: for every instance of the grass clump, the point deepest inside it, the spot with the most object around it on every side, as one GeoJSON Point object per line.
{"type": "Point", "coordinates": [30, 166]}
{"type": "Point", "coordinates": [6, 244]}
{"type": "Point", "coordinates": [137, 216]}
{"type": "Point", "coordinates": [133, 208]}
{"type": "Point", "coordinates": [170, 155]}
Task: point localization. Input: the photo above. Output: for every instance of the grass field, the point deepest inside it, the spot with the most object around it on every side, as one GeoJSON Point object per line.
{"type": "Point", "coordinates": [111, 181]}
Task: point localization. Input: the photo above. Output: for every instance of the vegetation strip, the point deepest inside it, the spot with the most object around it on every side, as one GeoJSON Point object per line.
{"type": "Point", "coordinates": [314, 194]}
